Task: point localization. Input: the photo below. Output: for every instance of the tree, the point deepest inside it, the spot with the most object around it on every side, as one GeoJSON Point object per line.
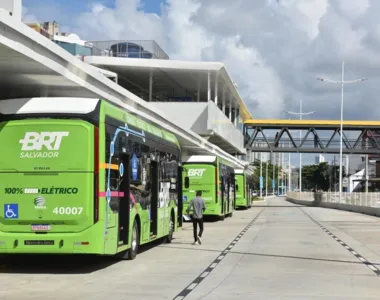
{"type": "Point", "coordinates": [309, 176]}
{"type": "Point", "coordinates": [316, 176]}
{"type": "Point", "coordinates": [323, 176]}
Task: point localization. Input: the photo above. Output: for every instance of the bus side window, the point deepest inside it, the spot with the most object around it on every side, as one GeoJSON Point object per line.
{"type": "Point", "coordinates": [114, 180]}
{"type": "Point", "coordinates": [140, 178]}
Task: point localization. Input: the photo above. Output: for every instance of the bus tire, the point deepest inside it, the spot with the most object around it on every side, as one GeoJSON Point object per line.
{"type": "Point", "coordinates": [132, 252]}
{"type": "Point", "coordinates": [169, 237]}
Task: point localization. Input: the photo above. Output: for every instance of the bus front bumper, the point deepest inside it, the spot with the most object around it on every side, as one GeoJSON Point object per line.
{"type": "Point", "coordinates": [51, 243]}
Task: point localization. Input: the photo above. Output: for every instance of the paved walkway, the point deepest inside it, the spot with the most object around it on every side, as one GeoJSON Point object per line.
{"type": "Point", "coordinates": [275, 250]}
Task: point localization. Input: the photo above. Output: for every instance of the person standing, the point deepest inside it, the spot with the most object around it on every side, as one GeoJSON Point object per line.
{"type": "Point", "coordinates": [198, 205]}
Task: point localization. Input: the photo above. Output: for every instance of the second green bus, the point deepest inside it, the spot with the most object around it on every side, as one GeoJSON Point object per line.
{"type": "Point", "coordinates": [215, 177]}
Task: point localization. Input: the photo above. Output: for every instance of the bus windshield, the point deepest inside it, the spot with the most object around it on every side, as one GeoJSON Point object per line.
{"type": "Point", "coordinates": [45, 145]}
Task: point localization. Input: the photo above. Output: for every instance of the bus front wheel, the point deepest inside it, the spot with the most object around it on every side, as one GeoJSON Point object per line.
{"type": "Point", "coordinates": [132, 252]}
{"type": "Point", "coordinates": [169, 237]}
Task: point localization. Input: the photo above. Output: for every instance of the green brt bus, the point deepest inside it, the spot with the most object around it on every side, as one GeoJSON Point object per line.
{"type": "Point", "coordinates": [82, 175]}
{"type": "Point", "coordinates": [244, 188]}
{"type": "Point", "coordinates": [215, 177]}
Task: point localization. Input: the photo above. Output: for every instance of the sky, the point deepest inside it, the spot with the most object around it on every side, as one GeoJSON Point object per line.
{"type": "Point", "coordinates": [40, 8]}
{"type": "Point", "coordinates": [273, 49]}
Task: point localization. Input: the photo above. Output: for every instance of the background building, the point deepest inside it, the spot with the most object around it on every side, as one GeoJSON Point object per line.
{"type": "Point", "coordinates": [319, 159]}
{"type": "Point", "coordinates": [14, 7]}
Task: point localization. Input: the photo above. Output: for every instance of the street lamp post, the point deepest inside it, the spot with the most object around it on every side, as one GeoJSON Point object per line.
{"type": "Point", "coordinates": [366, 169]}
{"type": "Point", "coordinates": [278, 174]}
{"type": "Point", "coordinates": [342, 83]}
{"type": "Point", "coordinates": [282, 173]}
{"type": "Point", "coordinates": [273, 166]}
{"type": "Point", "coordinates": [289, 170]}
{"type": "Point", "coordinates": [261, 174]}
{"type": "Point", "coordinates": [266, 180]}
{"type": "Point", "coordinates": [300, 154]}
{"type": "Point", "coordinates": [289, 173]}
{"type": "Point", "coordinates": [285, 174]}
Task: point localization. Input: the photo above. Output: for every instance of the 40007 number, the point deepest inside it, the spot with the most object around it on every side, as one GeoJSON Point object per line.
{"type": "Point", "coordinates": [68, 210]}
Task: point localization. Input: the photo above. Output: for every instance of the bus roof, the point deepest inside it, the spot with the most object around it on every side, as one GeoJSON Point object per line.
{"type": "Point", "coordinates": [200, 159]}
{"type": "Point", "coordinates": [245, 171]}
{"type": "Point", "coordinates": [68, 105]}
{"type": "Point", "coordinates": [207, 159]}
{"type": "Point", "coordinates": [71, 105]}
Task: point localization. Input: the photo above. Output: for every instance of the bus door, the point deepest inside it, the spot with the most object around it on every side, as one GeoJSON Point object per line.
{"type": "Point", "coordinates": [180, 196]}
{"type": "Point", "coordinates": [233, 187]}
{"type": "Point", "coordinates": [154, 198]}
{"type": "Point", "coordinates": [222, 194]}
{"type": "Point", "coordinates": [124, 207]}
{"type": "Point", "coordinates": [228, 193]}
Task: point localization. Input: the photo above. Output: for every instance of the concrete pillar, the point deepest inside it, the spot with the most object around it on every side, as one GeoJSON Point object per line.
{"type": "Point", "coordinates": [185, 151]}
{"type": "Point", "coordinates": [224, 101]}
{"type": "Point", "coordinates": [13, 6]}
{"type": "Point", "coordinates": [230, 117]}
{"type": "Point", "coordinates": [228, 101]}
{"type": "Point", "coordinates": [236, 115]}
{"type": "Point", "coordinates": [199, 92]}
{"type": "Point", "coordinates": [44, 92]}
{"type": "Point", "coordinates": [150, 87]}
{"type": "Point", "coordinates": [216, 89]}
{"type": "Point", "coordinates": [209, 86]}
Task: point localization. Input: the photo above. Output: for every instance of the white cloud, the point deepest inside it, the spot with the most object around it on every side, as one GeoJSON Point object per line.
{"type": "Point", "coordinates": [197, 30]}
{"type": "Point", "coordinates": [28, 17]}
{"type": "Point", "coordinates": [352, 9]}
{"type": "Point", "coordinates": [185, 38]}
{"type": "Point", "coordinates": [125, 21]}
{"type": "Point", "coordinates": [97, 8]}
{"type": "Point", "coordinates": [247, 67]}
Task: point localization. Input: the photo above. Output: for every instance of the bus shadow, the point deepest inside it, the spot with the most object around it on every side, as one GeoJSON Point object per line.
{"type": "Point", "coordinates": [282, 206]}
{"type": "Point", "coordinates": [208, 219]}
{"type": "Point", "coordinates": [54, 264]}
{"type": "Point", "coordinates": [276, 255]}
{"type": "Point", "coordinates": [242, 208]}
{"type": "Point", "coordinates": [64, 264]}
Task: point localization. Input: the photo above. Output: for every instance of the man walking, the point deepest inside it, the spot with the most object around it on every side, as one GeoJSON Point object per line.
{"type": "Point", "coordinates": [198, 205]}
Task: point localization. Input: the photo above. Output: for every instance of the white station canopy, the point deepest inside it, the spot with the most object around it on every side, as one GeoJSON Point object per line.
{"type": "Point", "coordinates": [33, 66]}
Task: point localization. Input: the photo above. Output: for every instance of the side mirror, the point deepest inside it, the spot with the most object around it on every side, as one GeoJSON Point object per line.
{"type": "Point", "coordinates": [237, 187]}
{"type": "Point", "coordinates": [187, 182]}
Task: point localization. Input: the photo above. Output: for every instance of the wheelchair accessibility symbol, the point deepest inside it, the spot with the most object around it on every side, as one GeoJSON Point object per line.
{"type": "Point", "coordinates": [10, 211]}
